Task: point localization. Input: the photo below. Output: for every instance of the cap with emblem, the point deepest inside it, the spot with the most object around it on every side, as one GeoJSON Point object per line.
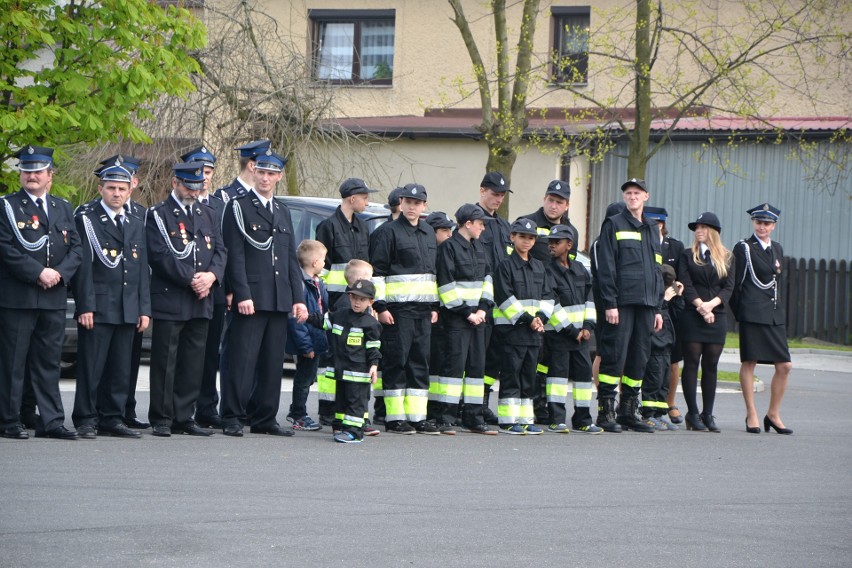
{"type": "Point", "coordinates": [634, 182]}
{"type": "Point", "coordinates": [413, 191]}
{"type": "Point", "coordinates": [355, 186]}
{"type": "Point", "coordinates": [129, 163]}
{"type": "Point", "coordinates": [707, 218]}
{"type": "Point", "coordinates": [470, 212]}
{"type": "Point", "coordinates": [440, 220]}
{"type": "Point", "coordinates": [559, 188]}
{"type": "Point", "coordinates": [524, 226]}
{"type": "Point", "coordinates": [656, 213]}
{"type": "Point", "coordinates": [764, 212]}
{"type": "Point", "coordinates": [393, 198]}
{"type": "Point", "coordinates": [254, 148]}
{"type": "Point", "coordinates": [190, 174]}
{"type": "Point", "coordinates": [270, 161]}
{"type": "Point", "coordinates": [114, 173]}
{"type": "Point", "coordinates": [202, 155]}
{"type": "Point", "coordinates": [562, 232]}
{"type": "Point", "coordinates": [363, 288]}
{"type": "Point", "coordinates": [34, 158]}
{"type": "Point", "coordinates": [495, 182]}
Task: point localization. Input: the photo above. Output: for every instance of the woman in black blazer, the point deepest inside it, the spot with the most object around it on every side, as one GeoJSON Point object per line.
{"type": "Point", "coordinates": [708, 281]}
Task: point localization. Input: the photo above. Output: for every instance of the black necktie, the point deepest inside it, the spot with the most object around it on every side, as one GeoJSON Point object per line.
{"type": "Point", "coordinates": [189, 211]}
{"type": "Point", "coordinates": [707, 257]}
{"type": "Point", "coordinates": [119, 223]}
{"type": "Point", "coordinates": [42, 214]}
{"type": "Point", "coordinates": [269, 207]}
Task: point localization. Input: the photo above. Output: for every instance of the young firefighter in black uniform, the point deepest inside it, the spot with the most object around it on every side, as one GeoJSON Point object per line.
{"type": "Point", "coordinates": [498, 246]}
{"type": "Point", "coordinates": [404, 257]}
{"type": "Point", "coordinates": [567, 335]}
{"type": "Point", "coordinates": [345, 236]}
{"type": "Point", "coordinates": [630, 285]}
{"type": "Point", "coordinates": [523, 297]}
{"type": "Point", "coordinates": [355, 336]}
{"type": "Point", "coordinates": [655, 385]}
{"type": "Point", "coordinates": [467, 296]}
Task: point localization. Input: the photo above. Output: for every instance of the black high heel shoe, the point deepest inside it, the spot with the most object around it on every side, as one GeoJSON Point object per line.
{"type": "Point", "coordinates": [693, 422]}
{"type": "Point", "coordinates": [710, 421]}
{"type": "Point", "coordinates": [767, 423]}
{"type": "Point", "coordinates": [752, 429]}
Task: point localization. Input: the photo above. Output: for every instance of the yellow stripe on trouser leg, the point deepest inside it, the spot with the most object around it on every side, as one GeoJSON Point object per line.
{"type": "Point", "coordinates": [582, 395]}
{"type": "Point", "coordinates": [557, 389]}
{"type": "Point", "coordinates": [445, 389]}
{"type": "Point", "coordinates": [527, 414]}
{"type": "Point", "coordinates": [489, 381]}
{"type": "Point", "coordinates": [350, 420]}
{"type": "Point", "coordinates": [609, 379]}
{"type": "Point", "coordinates": [326, 386]}
{"type": "Point", "coordinates": [508, 411]}
{"type": "Point", "coordinates": [378, 389]}
{"type": "Point", "coordinates": [474, 390]}
{"type": "Point", "coordinates": [542, 368]}
{"type": "Point", "coordinates": [395, 405]}
{"type": "Point", "coordinates": [631, 382]}
{"type": "Point", "coordinates": [416, 401]}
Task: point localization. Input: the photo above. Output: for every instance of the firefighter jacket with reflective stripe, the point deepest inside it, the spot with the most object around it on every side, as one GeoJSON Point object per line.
{"type": "Point", "coordinates": [543, 225]}
{"type": "Point", "coordinates": [464, 279]}
{"type": "Point", "coordinates": [522, 291]}
{"type": "Point", "coordinates": [404, 256]}
{"type": "Point", "coordinates": [627, 259]}
{"type": "Point", "coordinates": [574, 308]}
{"type": "Point", "coordinates": [355, 342]}
{"type": "Point", "coordinates": [495, 239]}
{"type": "Point", "coordinates": [344, 241]}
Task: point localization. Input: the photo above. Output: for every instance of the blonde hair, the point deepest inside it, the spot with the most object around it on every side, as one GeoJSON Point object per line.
{"type": "Point", "coordinates": [357, 270]}
{"type": "Point", "coordinates": [309, 250]}
{"type": "Point", "coordinates": [720, 255]}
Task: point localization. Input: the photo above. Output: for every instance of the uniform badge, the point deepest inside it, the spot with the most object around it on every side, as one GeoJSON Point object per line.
{"type": "Point", "coordinates": [113, 253]}
{"type": "Point", "coordinates": [35, 222]}
{"type": "Point", "coordinates": [186, 241]}
{"type": "Point", "coordinates": [21, 224]}
{"type": "Point", "coordinates": [106, 252]}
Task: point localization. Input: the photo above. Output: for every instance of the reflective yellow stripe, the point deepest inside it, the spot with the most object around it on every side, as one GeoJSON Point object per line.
{"type": "Point", "coordinates": [556, 389]}
{"type": "Point", "coordinates": [355, 377]}
{"type": "Point", "coordinates": [590, 313]}
{"type": "Point", "coordinates": [473, 390]}
{"type": "Point", "coordinates": [411, 288]}
{"type": "Point", "coordinates": [489, 380]}
{"type": "Point", "coordinates": [416, 401]}
{"type": "Point", "coordinates": [631, 382]}
{"type": "Point", "coordinates": [326, 386]}
{"type": "Point", "coordinates": [541, 368]}
{"type": "Point", "coordinates": [378, 387]}
{"type": "Point", "coordinates": [488, 289]}
{"type": "Point", "coordinates": [445, 389]}
{"type": "Point", "coordinates": [454, 294]}
{"type": "Point", "coordinates": [509, 250]}
{"type": "Point", "coordinates": [582, 394]}
{"type": "Point", "coordinates": [563, 316]}
{"type": "Point", "coordinates": [379, 283]}
{"type": "Point", "coordinates": [608, 379]}
{"type": "Point", "coordinates": [395, 404]}
{"type": "Point", "coordinates": [542, 231]}
{"type": "Point", "coordinates": [334, 280]}
{"type": "Point", "coordinates": [356, 421]}
{"type": "Point", "coordinates": [628, 236]}
{"type": "Point", "coordinates": [510, 311]}
{"type": "Point", "coordinates": [658, 257]}
{"type": "Point", "coordinates": [527, 415]}
{"type": "Point", "coordinates": [373, 344]}
{"type": "Point", "coordinates": [508, 410]}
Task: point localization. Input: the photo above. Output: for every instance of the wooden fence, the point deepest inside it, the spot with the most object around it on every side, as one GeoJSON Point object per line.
{"type": "Point", "coordinates": [819, 300]}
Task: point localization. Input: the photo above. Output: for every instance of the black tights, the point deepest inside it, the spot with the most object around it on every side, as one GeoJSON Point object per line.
{"type": "Point", "coordinates": [708, 354]}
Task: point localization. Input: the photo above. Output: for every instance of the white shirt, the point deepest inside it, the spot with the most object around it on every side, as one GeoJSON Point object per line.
{"type": "Point", "coordinates": [43, 198]}
{"type": "Point", "coordinates": [765, 245]}
{"type": "Point", "coordinates": [112, 214]}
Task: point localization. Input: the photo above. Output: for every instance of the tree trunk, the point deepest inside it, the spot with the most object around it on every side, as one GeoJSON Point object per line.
{"type": "Point", "coordinates": [503, 162]}
{"type": "Point", "coordinates": [638, 155]}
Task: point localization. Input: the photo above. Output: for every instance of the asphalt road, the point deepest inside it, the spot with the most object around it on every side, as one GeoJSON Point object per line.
{"type": "Point", "coordinates": [664, 499]}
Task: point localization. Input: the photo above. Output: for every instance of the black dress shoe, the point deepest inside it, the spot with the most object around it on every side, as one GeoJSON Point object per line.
{"type": "Point", "coordinates": [29, 421]}
{"type": "Point", "coordinates": [710, 421]}
{"type": "Point", "coordinates": [162, 430]}
{"type": "Point", "coordinates": [190, 428]}
{"type": "Point", "coordinates": [120, 431]}
{"type": "Point", "coordinates": [752, 429]}
{"type": "Point", "coordinates": [135, 423]}
{"type": "Point", "coordinates": [87, 432]}
{"type": "Point", "coordinates": [233, 430]}
{"type": "Point", "coordinates": [59, 433]}
{"type": "Point", "coordinates": [16, 432]}
{"type": "Point", "coordinates": [767, 424]}
{"type": "Point", "coordinates": [274, 430]}
{"type": "Point", "coordinates": [213, 421]}
{"type": "Point", "coordinates": [694, 422]}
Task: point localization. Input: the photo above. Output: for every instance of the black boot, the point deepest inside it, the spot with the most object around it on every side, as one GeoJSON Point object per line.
{"type": "Point", "coordinates": [606, 415]}
{"type": "Point", "coordinates": [629, 418]}
{"type": "Point", "coordinates": [488, 414]}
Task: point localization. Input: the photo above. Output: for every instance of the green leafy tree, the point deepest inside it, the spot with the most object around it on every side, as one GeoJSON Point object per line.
{"type": "Point", "coordinates": [84, 71]}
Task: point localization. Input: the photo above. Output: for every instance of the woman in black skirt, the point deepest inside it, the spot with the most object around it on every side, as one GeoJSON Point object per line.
{"type": "Point", "coordinates": [761, 314]}
{"type": "Point", "coordinates": [705, 272]}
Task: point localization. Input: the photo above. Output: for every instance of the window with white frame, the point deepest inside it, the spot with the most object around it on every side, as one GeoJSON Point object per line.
{"type": "Point", "coordinates": [353, 46]}
{"type": "Point", "coordinates": [571, 44]}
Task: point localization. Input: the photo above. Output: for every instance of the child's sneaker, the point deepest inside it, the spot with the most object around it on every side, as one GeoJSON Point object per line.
{"type": "Point", "coordinates": [532, 429]}
{"type": "Point", "coordinates": [370, 431]}
{"type": "Point", "coordinates": [346, 437]}
{"type": "Point", "coordinates": [307, 424]}
{"type": "Point", "coordinates": [515, 429]}
{"type": "Point", "coordinates": [666, 425]}
{"type": "Point", "coordinates": [558, 428]}
{"type": "Point", "coordinates": [590, 429]}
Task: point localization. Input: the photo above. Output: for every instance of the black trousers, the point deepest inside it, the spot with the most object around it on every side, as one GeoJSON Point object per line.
{"type": "Point", "coordinates": [252, 363]}
{"type": "Point", "coordinates": [351, 403]}
{"type": "Point", "coordinates": [177, 359]}
{"type": "Point", "coordinates": [624, 351]}
{"type": "Point", "coordinates": [103, 374]}
{"type": "Point", "coordinates": [135, 357]}
{"type": "Point", "coordinates": [31, 341]}
{"type": "Point", "coordinates": [461, 361]}
{"type": "Point", "coordinates": [405, 367]}
{"type": "Point", "coordinates": [517, 381]}
{"type": "Point", "coordinates": [208, 397]}
{"type": "Point", "coordinates": [568, 365]}
{"type": "Point", "coordinates": [655, 383]}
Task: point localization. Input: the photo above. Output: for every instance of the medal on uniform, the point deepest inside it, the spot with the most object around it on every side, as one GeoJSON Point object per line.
{"type": "Point", "coordinates": [65, 236]}
{"type": "Point", "coordinates": [106, 252]}
{"type": "Point", "coordinates": [113, 253]}
{"type": "Point", "coordinates": [207, 238]}
{"type": "Point", "coordinates": [21, 224]}
{"type": "Point", "coordinates": [35, 222]}
{"type": "Point", "coordinates": [133, 251]}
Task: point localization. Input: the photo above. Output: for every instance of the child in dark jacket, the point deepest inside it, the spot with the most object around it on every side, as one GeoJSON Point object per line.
{"type": "Point", "coordinates": [304, 341]}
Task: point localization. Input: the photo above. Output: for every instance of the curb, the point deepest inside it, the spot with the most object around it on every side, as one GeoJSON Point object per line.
{"type": "Point", "coordinates": [802, 351]}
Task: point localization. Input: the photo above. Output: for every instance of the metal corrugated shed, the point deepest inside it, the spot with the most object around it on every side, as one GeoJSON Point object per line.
{"type": "Point", "coordinates": [816, 221]}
